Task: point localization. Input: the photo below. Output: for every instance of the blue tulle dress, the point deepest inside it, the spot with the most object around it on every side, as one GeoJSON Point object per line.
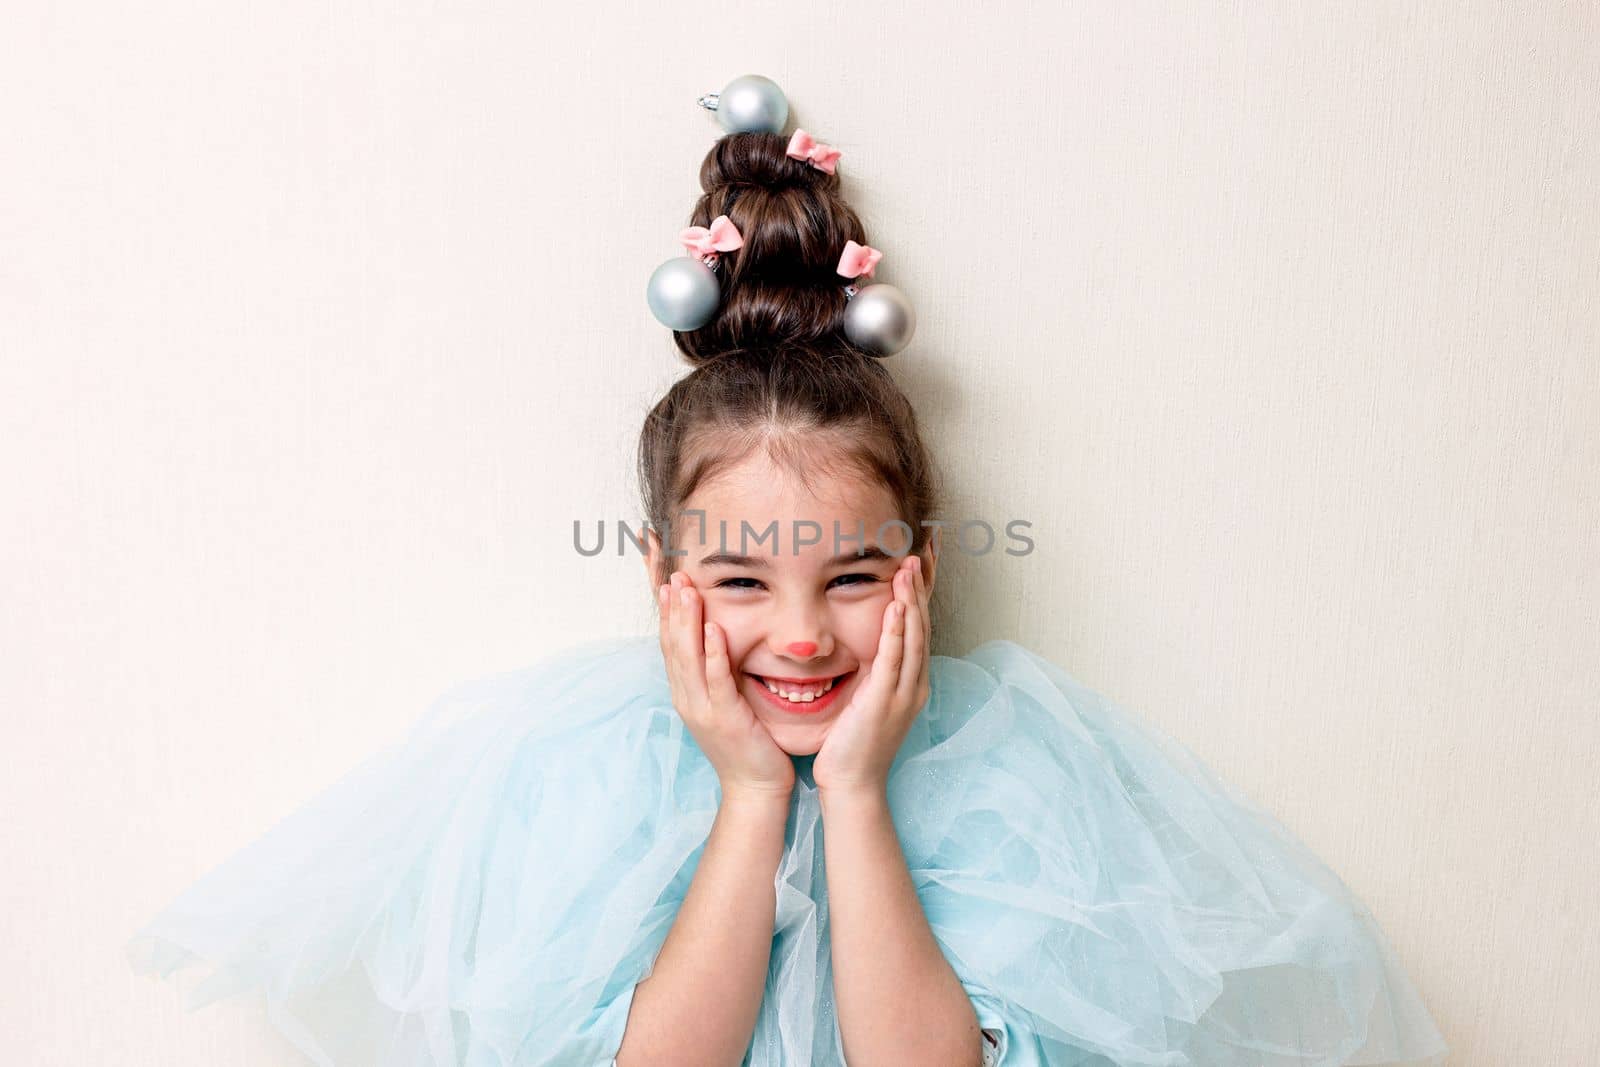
{"type": "Point", "coordinates": [488, 892]}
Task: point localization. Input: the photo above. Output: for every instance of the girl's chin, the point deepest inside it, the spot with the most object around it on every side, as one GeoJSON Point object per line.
{"type": "Point", "coordinates": [798, 740]}
{"type": "Point", "coordinates": [800, 746]}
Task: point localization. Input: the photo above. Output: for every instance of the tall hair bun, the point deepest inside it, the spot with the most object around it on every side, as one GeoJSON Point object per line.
{"type": "Point", "coordinates": [781, 287]}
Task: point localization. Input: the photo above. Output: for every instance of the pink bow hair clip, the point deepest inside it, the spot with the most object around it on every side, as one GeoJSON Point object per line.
{"type": "Point", "coordinates": [703, 241]}
{"type": "Point", "coordinates": [822, 156]}
{"type": "Point", "coordinates": [858, 260]}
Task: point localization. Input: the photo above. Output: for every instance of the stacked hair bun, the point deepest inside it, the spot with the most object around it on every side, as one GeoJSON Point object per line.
{"type": "Point", "coordinates": [775, 256]}
{"type": "Point", "coordinates": [780, 287]}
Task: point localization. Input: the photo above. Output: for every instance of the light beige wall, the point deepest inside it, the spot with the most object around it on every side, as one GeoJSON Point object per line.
{"type": "Point", "coordinates": [320, 325]}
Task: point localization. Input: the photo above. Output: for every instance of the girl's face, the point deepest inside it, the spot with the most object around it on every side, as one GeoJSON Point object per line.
{"type": "Point", "coordinates": [813, 612]}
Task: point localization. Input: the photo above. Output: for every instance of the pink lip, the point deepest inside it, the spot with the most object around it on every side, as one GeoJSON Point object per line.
{"type": "Point", "coordinates": [814, 707]}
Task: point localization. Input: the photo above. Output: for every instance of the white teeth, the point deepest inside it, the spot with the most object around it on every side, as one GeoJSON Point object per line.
{"type": "Point", "coordinates": [800, 696]}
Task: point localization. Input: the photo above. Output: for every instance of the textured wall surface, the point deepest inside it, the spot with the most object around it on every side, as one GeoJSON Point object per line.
{"type": "Point", "coordinates": [321, 323]}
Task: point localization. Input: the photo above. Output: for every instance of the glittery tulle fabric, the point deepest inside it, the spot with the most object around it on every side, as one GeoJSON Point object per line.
{"type": "Point", "coordinates": [488, 892]}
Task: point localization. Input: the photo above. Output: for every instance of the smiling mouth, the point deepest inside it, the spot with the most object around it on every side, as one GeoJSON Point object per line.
{"type": "Point", "coordinates": [800, 695]}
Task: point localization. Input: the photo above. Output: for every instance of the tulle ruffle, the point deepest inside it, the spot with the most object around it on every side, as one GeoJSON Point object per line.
{"type": "Point", "coordinates": [489, 892]}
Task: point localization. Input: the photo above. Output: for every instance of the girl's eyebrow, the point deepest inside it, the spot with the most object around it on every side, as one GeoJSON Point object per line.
{"type": "Point", "coordinates": [869, 554]}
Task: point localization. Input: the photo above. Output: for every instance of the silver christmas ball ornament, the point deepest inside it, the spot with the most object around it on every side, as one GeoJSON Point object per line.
{"type": "Point", "coordinates": [880, 319]}
{"type": "Point", "coordinates": [683, 293]}
{"type": "Point", "coordinates": [748, 103]}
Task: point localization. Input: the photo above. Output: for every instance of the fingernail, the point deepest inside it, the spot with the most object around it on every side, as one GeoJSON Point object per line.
{"type": "Point", "coordinates": [683, 596]}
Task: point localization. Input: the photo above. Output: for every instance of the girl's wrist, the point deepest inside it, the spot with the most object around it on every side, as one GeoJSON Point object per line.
{"type": "Point", "coordinates": [857, 795]}
{"type": "Point", "coordinates": [758, 803]}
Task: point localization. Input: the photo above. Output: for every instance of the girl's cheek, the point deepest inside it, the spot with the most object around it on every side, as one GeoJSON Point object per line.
{"type": "Point", "coordinates": [870, 618]}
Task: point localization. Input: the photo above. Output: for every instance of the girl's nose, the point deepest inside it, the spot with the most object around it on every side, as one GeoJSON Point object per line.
{"type": "Point", "coordinates": [803, 648]}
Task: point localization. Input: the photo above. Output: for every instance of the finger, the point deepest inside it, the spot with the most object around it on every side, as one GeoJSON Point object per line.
{"type": "Point", "coordinates": [669, 631]}
{"type": "Point", "coordinates": [885, 674]}
{"type": "Point", "coordinates": [662, 611]}
{"type": "Point", "coordinates": [668, 651]}
{"type": "Point", "coordinates": [719, 672]}
{"type": "Point", "coordinates": [914, 643]}
{"type": "Point", "coordinates": [689, 636]}
{"type": "Point", "coordinates": [925, 600]}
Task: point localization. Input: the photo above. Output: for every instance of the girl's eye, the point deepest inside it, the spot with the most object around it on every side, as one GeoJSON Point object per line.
{"type": "Point", "coordinates": [841, 582]}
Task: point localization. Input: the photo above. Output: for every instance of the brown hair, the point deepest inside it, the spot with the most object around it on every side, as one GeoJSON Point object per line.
{"type": "Point", "coordinates": [773, 368]}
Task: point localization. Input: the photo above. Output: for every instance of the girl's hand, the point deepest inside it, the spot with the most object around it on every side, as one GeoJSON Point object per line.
{"type": "Point", "coordinates": [862, 743]}
{"type": "Point", "coordinates": [707, 699]}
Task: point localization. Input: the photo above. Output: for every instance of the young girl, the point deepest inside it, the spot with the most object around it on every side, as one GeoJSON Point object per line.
{"type": "Point", "coordinates": [780, 831]}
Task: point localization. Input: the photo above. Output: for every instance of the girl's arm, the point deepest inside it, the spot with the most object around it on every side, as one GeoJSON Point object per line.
{"type": "Point", "coordinates": [898, 999]}
{"type": "Point", "coordinates": [698, 1005]}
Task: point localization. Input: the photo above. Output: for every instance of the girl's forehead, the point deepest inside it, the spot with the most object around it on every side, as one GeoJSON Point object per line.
{"type": "Point", "coordinates": [744, 515]}
{"type": "Point", "coordinates": [763, 493]}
